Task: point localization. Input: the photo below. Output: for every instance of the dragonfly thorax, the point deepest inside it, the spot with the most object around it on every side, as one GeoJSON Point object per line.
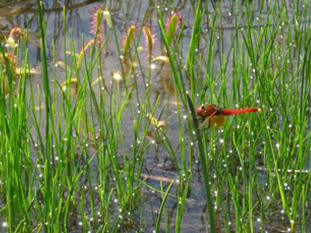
{"type": "Point", "coordinates": [210, 110]}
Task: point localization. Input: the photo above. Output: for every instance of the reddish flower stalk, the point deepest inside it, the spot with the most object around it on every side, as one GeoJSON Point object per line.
{"type": "Point", "coordinates": [172, 25]}
{"type": "Point", "coordinates": [149, 39]}
{"type": "Point", "coordinates": [97, 27]}
{"type": "Point", "coordinates": [128, 39]}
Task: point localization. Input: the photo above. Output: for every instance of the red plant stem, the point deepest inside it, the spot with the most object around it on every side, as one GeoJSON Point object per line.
{"type": "Point", "coordinates": [237, 111]}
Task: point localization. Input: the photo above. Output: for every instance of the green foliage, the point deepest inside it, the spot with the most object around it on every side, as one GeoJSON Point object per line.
{"type": "Point", "coordinates": [81, 150]}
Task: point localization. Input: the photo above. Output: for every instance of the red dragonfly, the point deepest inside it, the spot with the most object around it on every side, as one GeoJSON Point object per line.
{"type": "Point", "coordinates": [211, 115]}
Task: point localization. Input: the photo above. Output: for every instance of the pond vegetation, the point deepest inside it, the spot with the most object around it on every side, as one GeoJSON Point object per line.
{"type": "Point", "coordinates": [100, 113]}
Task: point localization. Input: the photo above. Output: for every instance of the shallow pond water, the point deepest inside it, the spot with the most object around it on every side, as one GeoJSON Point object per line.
{"type": "Point", "coordinates": [158, 165]}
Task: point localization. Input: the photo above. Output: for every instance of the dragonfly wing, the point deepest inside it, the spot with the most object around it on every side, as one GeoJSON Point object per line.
{"type": "Point", "coordinates": [217, 120]}
{"type": "Point", "coordinates": [213, 120]}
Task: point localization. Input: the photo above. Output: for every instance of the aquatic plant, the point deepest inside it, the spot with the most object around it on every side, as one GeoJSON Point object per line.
{"type": "Point", "coordinates": [97, 26]}
{"type": "Point", "coordinates": [128, 39]}
{"type": "Point", "coordinates": [108, 18]}
{"type": "Point", "coordinates": [14, 36]}
{"type": "Point", "coordinates": [128, 156]}
{"type": "Point", "coordinates": [149, 36]}
{"type": "Point", "coordinates": [172, 25]}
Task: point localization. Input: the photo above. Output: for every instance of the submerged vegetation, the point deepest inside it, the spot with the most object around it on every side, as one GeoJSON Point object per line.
{"type": "Point", "coordinates": [98, 129]}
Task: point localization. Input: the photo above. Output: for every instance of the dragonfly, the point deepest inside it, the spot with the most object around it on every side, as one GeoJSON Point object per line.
{"type": "Point", "coordinates": [213, 115]}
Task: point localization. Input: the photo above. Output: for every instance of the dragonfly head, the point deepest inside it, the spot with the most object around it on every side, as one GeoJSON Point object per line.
{"type": "Point", "coordinates": [200, 110]}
